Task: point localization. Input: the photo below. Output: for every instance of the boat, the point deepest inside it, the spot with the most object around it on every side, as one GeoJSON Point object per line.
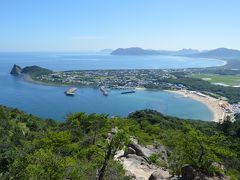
{"type": "Point", "coordinates": [104, 91]}
{"type": "Point", "coordinates": [71, 91]}
{"type": "Point", "coordinates": [128, 92]}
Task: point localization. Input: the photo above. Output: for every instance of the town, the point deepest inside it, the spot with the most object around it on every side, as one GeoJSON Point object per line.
{"type": "Point", "coordinates": [111, 78]}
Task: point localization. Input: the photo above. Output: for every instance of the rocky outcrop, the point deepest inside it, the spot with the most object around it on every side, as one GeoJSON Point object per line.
{"type": "Point", "coordinates": [16, 70]}
{"type": "Point", "coordinates": [137, 148]}
{"type": "Point", "coordinates": [135, 161]}
{"type": "Point", "coordinates": [136, 164]}
{"type": "Point", "coordinates": [129, 151]}
{"type": "Point", "coordinates": [156, 175]}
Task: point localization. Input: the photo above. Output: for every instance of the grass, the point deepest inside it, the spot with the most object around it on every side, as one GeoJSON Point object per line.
{"type": "Point", "coordinates": [231, 80]}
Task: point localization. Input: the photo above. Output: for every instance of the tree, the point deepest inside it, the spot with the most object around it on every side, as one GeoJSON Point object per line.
{"type": "Point", "coordinates": [194, 148]}
{"type": "Point", "coordinates": [116, 141]}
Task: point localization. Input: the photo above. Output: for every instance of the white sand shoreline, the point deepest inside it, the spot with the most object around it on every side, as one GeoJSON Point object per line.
{"type": "Point", "coordinates": [210, 102]}
{"type": "Point", "coordinates": [224, 62]}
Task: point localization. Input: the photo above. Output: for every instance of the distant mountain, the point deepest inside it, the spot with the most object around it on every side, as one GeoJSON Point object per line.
{"type": "Point", "coordinates": [106, 51]}
{"type": "Point", "coordinates": [187, 52]}
{"type": "Point", "coordinates": [136, 51]}
{"type": "Point", "coordinates": [31, 70]}
{"type": "Point", "coordinates": [215, 53]}
{"type": "Point", "coordinates": [219, 53]}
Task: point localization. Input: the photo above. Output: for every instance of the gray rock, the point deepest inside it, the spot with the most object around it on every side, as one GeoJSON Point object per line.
{"type": "Point", "coordinates": [130, 175]}
{"type": "Point", "coordinates": [137, 159]}
{"type": "Point", "coordinates": [156, 175]}
{"type": "Point", "coordinates": [129, 151]}
{"type": "Point", "coordinates": [137, 149]}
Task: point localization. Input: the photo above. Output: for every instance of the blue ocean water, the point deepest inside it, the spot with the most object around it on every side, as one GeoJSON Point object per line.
{"type": "Point", "coordinates": [74, 61]}
{"type": "Point", "coordinates": [50, 102]}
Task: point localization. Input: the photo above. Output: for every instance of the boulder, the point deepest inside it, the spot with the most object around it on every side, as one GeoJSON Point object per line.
{"type": "Point", "coordinates": [156, 175]}
{"type": "Point", "coordinates": [129, 151]}
{"type": "Point", "coordinates": [136, 164]}
{"type": "Point", "coordinates": [137, 159]}
{"type": "Point", "coordinates": [188, 172]}
{"type": "Point", "coordinates": [137, 149]}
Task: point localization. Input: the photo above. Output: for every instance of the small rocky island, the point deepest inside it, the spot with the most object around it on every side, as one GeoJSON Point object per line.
{"type": "Point", "coordinates": [33, 71]}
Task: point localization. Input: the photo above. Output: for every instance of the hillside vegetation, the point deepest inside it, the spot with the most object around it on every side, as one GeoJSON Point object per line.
{"type": "Point", "coordinates": [33, 71]}
{"type": "Point", "coordinates": [231, 93]}
{"type": "Point", "coordinates": [227, 80]}
{"type": "Point", "coordinates": [81, 147]}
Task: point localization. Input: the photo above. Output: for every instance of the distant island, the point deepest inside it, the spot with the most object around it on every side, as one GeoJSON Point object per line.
{"type": "Point", "coordinates": [215, 53]}
{"type": "Point", "coordinates": [134, 51]}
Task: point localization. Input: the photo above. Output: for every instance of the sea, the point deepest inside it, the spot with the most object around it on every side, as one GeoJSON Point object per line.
{"type": "Point", "coordinates": [51, 102]}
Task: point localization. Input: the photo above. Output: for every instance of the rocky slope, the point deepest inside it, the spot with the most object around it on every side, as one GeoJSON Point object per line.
{"type": "Point", "coordinates": [135, 160]}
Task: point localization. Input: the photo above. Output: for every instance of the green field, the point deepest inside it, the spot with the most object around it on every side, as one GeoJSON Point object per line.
{"type": "Point", "coordinates": [231, 80]}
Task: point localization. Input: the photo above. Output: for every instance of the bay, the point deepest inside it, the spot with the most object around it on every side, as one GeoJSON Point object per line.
{"type": "Point", "coordinates": [50, 102]}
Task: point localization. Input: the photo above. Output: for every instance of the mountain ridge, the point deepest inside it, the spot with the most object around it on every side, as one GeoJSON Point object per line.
{"type": "Point", "coordinates": [214, 53]}
{"type": "Point", "coordinates": [219, 53]}
{"type": "Point", "coordinates": [135, 51]}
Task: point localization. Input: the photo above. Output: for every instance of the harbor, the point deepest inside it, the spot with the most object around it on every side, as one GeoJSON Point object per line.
{"type": "Point", "coordinates": [104, 90]}
{"type": "Point", "coordinates": [71, 91]}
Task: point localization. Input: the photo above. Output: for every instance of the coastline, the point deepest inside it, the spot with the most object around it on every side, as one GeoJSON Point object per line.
{"type": "Point", "coordinates": [224, 62]}
{"type": "Point", "coordinates": [210, 102]}
{"type": "Point", "coordinates": [213, 104]}
{"type": "Point", "coordinates": [27, 78]}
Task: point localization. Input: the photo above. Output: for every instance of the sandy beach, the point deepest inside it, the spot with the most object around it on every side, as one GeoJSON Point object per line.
{"type": "Point", "coordinates": [224, 62]}
{"type": "Point", "coordinates": [210, 102]}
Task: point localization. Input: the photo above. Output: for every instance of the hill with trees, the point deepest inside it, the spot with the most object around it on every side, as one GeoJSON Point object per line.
{"type": "Point", "coordinates": [84, 146]}
{"type": "Point", "coordinates": [222, 53]}
{"type": "Point", "coordinates": [33, 71]}
{"type": "Point", "coordinates": [136, 51]}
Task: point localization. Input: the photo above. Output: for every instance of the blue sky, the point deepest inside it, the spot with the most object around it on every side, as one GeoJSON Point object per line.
{"type": "Point", "coordinates": [83, 25]}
